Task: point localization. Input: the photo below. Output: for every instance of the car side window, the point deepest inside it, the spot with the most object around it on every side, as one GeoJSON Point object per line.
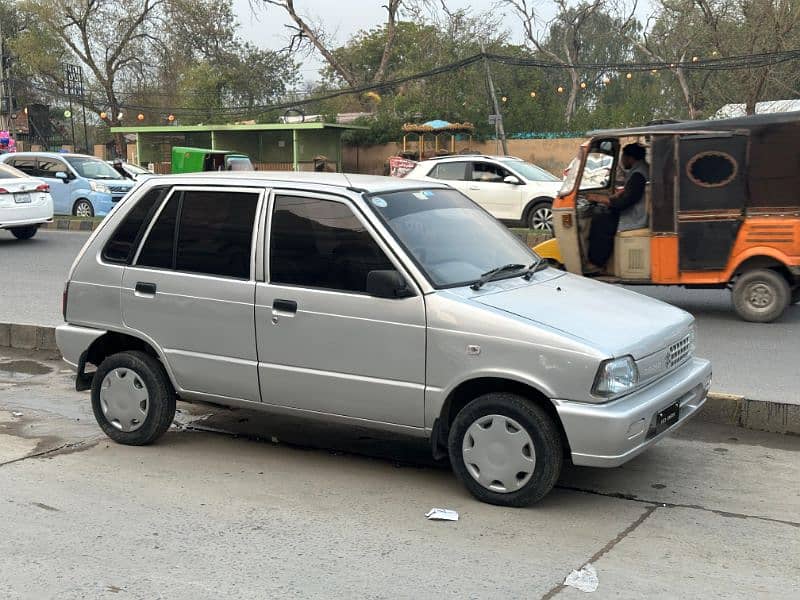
{"type": "Point", "coordinates": [488, 172]}
{"type": "Point", "coordinates": [24, 164]}
{"type": "Point", "coordinates": [121, 246]}
{"type": "Point", "coordinates": [450, 171]}
{"type": "Point", "coordinates": [215, 232]}
{"type": "Point", "coordinates": [203, 231]}
{"type": "Point", "coordinates": [48, 167]}
{"type": "Point", "coordinates": [321, 244]}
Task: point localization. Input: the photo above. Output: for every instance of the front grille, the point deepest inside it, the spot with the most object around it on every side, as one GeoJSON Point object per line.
{"type": "Point", "coordinates": [679, 351]}
{"type": "Point", "coordinates": [118, 188]}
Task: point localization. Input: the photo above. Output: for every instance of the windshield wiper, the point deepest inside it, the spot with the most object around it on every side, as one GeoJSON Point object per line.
{"type": "Point", "coordinates": [489, 275]}
{"type": "Point", "coordinates": [539, 265]}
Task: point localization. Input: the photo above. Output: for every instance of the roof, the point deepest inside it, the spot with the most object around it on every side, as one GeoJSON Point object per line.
{"type": "Point", "coordinates": [368, 183]}
{"type": "Point", "coordinates": [458, 157]}
{"type": "Point", "coordinates": [769, 107]}
{"type": "Point", "coordinates": [52, 154]}
{"type": "Point", "coordinates": [749, 122]}
{"type": "Point", "coordinates": [257, 127]}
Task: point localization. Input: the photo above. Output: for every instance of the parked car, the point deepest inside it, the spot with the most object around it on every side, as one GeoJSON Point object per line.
{"type": "Point", "coordinates": [130, 170]}
{"type": "Point", "coordinates": [511, 189]}
{"type": "Point", "coordinates": [378, 302]}
{"type": "Point", "coordinates": [80, 185]}
{"type": "Point", "coordinates": [25, 203]}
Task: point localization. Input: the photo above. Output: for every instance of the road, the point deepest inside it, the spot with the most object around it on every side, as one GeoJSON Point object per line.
{"type": "Point", "coordinates": [758, 361]}
{"type": "Point", "coordinates": [316, 511]}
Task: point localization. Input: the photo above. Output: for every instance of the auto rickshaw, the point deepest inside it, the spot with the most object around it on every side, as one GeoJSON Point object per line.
{"type": "Point", "coordinates": [195, 160]}
{"type": "Point", "coordinates": [723, 203]}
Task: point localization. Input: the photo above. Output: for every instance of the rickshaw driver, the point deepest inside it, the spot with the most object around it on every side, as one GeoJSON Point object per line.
{"type": "Point", "coordinates": [626, 209]}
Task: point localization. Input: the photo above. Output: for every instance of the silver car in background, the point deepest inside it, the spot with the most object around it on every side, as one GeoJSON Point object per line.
{"type": "Point", "coordinates": [379, 302]}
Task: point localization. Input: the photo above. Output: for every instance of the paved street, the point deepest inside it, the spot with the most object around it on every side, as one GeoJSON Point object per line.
{"type": "Point", "coordinates": [755, 360]}
{"type": "Point", "coordinates": [712, 512]}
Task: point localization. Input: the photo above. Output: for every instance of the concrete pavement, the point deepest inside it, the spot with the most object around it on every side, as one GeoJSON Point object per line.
{"type": "Point", "coordinates": [323, 512]}
{"type": "Point", "coordinates": [758, 361]}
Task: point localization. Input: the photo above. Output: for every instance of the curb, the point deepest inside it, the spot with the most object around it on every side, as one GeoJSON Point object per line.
{"type": "Point", "coordinates": [71, 224]}
{"type": "Point", "coordinates": [720, 409]}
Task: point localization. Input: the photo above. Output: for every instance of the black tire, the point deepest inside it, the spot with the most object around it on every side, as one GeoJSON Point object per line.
{"type": "Point", "coordinates": [761, 295]}
{"type": "Point", "coordinates": [24, 233]}
{"type": "Point", "coordinates": [161, 410]}
{"type": "Point", "coordinates": [84, 206]}
{"type": "Point", "coordinates": [540, 216]}
{"type": "Point", "coordinates": [795, 295]}
{"type": "Point", "coordinates": [536, 423]}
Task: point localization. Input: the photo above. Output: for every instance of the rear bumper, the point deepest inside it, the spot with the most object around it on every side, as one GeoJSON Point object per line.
{"type": "Point", "coordinates": [608, 435]}
{"type": "Point", "coordinates": [73, 341]}
{"type": "Point", "coordinates": [22, 215]}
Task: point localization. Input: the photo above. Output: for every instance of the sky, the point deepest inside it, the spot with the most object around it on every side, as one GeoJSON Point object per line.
{"type": "Point", "coordinates": [265, 27]}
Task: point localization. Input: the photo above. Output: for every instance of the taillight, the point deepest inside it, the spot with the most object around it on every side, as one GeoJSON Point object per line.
{"type": "Point", "coordinates": [4, 191]}
{"type": "Point", "coordinates": [64, 299]}
{"type": "Point", "coordinates": [43, 188]}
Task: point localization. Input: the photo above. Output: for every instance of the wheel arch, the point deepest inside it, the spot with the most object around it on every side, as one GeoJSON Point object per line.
{"type": "Point", "coordinates": [768, 259]}
{"type": "Point", "coordinates": [113, 342]}
{"type": "Point", "coordinates": [468, 390]}
{"type": "Point", "coordinates": [533, 202]}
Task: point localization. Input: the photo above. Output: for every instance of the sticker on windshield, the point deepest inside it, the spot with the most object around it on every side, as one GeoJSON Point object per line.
{"type": "Point", "coordinates": [379, 202]}
{"type": "Point", "coordinates": [423, 195]}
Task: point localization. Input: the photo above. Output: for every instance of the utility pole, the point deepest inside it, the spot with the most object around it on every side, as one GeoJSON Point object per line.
{"type": "Point", "coordinates": [501, 131]}
{"type": "Point", "coordinates": [4, 103]}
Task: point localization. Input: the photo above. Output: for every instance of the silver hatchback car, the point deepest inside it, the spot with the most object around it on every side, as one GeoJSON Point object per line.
{"type": "Point", "coordinates": [379, 302]}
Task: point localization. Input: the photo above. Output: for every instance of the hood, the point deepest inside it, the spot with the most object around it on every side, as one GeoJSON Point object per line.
{"type": "Point", "coordinates": [609, 318]}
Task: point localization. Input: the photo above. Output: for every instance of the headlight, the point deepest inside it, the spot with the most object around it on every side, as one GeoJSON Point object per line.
{"type": "Point", "coordinates": [615, 377]}
{"type": "Point", "coordinates": [99, 187]}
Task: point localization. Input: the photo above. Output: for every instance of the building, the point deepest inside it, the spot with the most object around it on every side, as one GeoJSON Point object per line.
{"type": "Point", "coordinates": [271, 146]}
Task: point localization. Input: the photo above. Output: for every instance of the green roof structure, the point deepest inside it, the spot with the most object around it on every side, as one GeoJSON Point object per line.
{"type": "Point", "coordinates": [271, 146]}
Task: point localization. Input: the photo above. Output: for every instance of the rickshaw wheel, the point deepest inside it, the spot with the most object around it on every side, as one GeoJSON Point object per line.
{"type": "Point", "coordinates": [761, 295]}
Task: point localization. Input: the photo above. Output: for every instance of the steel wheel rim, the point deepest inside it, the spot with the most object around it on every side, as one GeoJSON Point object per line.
{"type": "Point", "coordinates": [760, 296]}
{"type": "Point", "coordinates": [124, 399]}
{"type": "Point", "coordinates": [498, 453]}
{"type": "Point", "coordinates": [542, 219]}
{"type": "Point", "coordinates": [84, 209]}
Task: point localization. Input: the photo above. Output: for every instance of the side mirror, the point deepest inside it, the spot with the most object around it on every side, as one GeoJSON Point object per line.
{"type": "Point", "coordinates": [387, 284]}
{"type": "Point", "coordinates": [513, 180]}
{"type": "Point", "coordinates": [62, 175]}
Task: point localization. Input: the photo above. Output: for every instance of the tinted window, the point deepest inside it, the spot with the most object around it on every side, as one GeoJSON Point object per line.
{"type": "Point", "coordinates": [93, 168]}
{"type": "Point", "coordinates": [25, 164]}
{"type": "Point", "coordinates": [451, 171]}
{"type": "Point", "coordinates": [483, 171]}
{"type": "Point", "coordinates": [8, 172]}
{"type": "Point", "coordinates": [321, 244]}
{"type": "Point", "coordinates": [216, 232]}
{"type": "Point", "coordinates": [121, 245]}
{"type": "Point", "coordinates": [48, 167]}
{"type": "Point", "coordinates": [159, 245]}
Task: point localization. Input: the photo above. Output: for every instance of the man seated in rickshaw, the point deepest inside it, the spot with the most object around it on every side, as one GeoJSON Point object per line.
{"type": "Point", "coordinates": [624, 210]}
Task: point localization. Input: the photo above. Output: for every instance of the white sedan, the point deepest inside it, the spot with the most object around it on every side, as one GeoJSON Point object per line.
{"type": "Point", "coordinates": [25, 203]}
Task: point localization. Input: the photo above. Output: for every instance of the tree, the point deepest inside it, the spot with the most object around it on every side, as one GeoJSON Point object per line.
{"type": "Point", "coordinates": [114, 39]}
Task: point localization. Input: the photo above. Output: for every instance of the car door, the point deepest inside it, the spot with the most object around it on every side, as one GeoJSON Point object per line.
{"type": "Point", "coordinates": [454, 173]}
{"type": "Point", "coordinates": [191, 286]}
{"type": "Point", "coordinates": [324, 345]}
{"type": "Point", "coordinates": [488, 188]}
{"type": "Point", "coordinates": [47, 168]}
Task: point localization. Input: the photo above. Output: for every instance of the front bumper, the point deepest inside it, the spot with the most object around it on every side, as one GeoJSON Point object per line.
{"type": "Point", "coordinates": [610, 434]}
{"type": "Point", "coordinates": [102, 203]}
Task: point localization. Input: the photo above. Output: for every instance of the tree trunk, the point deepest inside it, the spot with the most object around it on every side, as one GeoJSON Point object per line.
{"type": "Point", "coordinates": [687, 95]}
{"type": "Point", "coordinates": [573, 95]}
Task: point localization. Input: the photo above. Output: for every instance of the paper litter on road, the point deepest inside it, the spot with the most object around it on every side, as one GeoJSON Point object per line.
{"type": "Point", "coordinates": [584, 580]}
{"type": "Point", "coordinates": [442, 514]}
{"type": "Point", "coordinates": [16, 414]}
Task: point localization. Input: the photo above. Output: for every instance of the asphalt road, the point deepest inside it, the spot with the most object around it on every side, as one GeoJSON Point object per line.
{"type": "Point", "coordinates": [759, 361]}
{"type": "Point", "coordinates": [315, 511]}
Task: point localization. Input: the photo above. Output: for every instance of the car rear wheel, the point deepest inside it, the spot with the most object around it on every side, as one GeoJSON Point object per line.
{"type": "Point", "coordinates": [83, 208]}
{"type": "Point", "coordinates": [24, 233]}
{"type": "Point", "coordinates": [540, 216]}
{"type": "Point", "coordinates": [132, 398]}
{"type": "Point", "coordinates": [505, 449]}
{"type": "Point", "coordinates": [796, 295]}
{"type": "Point", "coordinates": [761, 295]}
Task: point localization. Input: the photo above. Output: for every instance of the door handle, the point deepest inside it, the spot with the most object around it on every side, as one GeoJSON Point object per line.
{"type": "Point", "coordinates": [284, 306]}
{"type": "Point", "coordinates": [145, 289]}
{"type": "Point", "coordinates": [474, 187]}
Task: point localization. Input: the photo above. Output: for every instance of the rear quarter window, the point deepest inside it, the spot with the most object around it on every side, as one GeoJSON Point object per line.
{"type": "Point", "coordinates": [122, 245]}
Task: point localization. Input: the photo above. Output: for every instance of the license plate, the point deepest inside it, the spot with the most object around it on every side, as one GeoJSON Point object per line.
{"type": "Point", "coordinates": [668, 417]}
{"type": "Point", "coordinates": [22, 198]}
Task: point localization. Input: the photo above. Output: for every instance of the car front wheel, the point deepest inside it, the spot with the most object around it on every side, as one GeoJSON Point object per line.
{"type": "Point", "coordinates": [540, 216]}
{"type": "Point", "coordinates": [24, 233]}
{"type": "Point", "coordinates": [83, 208]}
{"type": "Point", "coordinates": [505, 449]}
{"type": "Point", "coordinates": [132, 398]}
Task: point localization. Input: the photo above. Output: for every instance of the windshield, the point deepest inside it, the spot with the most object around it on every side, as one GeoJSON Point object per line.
{"type": "Point", "coordinates": [451, 239]}
{"type": "Point", "coordinates": [136, 169]}
{"type": "Point", "coordinates": [571, 177]}
{"type": "Point", "coordinates": [238, 163]}
{"type": "Point", "coordinates": [530, 171]}
{"type": "Point", "coordinates": [92, 168]}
